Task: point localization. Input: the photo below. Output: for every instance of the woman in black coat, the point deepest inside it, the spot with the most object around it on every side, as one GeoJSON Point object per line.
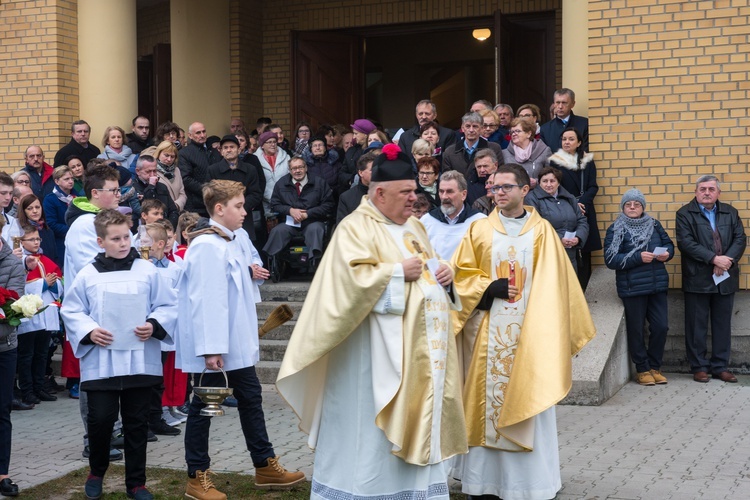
{"type": "Point", "coordinates": [579, 179]}
{"type": "Point", "coordinates": [630, 248]}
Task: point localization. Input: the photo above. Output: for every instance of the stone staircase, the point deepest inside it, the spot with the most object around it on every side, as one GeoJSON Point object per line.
{"type": "Point", "coordinates": [273, 345]}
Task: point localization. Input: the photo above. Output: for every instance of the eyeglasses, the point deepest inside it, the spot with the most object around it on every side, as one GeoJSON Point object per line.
{"type": "Point", "coordinates": [114, 191]}
{"type": "Point", "coordinates": [633, 204]}
{"type": "Point", "coordinates": [516, 132]}
{"type": "Point", "coordinates": [426, 174]}
{"type": "Point", "coordinates": [32, 240]}
{"type": "Point", "coordinates": [25, 182]}
{"type": "Point", "coordinates": [489, 125]}
{"type": "Point", "coordinates": [296, 169]}
{"type": "Point", "coordinates": [505, 188]}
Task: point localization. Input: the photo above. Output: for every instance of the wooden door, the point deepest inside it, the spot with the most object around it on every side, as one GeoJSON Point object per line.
{"type": "Point", "coordinates": [328, 74]}
{"type": "Point", "coordinates": [526, 49]}
{"type": "Point", "coordinates": [162, 84]}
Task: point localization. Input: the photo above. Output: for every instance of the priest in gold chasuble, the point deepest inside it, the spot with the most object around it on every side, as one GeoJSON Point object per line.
{"type": "Point", "coordinates": [515, 280]}
{"type": "Point", "coordinates": [371, 369]}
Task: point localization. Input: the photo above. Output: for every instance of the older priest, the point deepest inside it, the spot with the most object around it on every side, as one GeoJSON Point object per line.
{"type": "Point", "coordinates": [514, 277]}
{"type": "Point", "coordinates": [371, 368]}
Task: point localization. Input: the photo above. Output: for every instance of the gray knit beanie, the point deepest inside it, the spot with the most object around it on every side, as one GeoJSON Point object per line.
{"type": "Point", "coordinates": [633, 195]}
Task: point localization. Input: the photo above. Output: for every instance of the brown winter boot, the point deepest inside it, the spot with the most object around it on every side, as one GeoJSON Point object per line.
{"type": "Point", "coordinates": [275, 477]}
{"type": "Point", "coordinates": [201, 487]}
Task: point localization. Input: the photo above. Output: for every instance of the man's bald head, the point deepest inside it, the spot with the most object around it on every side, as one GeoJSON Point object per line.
{"type": "Point", "coordinates": [197, 133]}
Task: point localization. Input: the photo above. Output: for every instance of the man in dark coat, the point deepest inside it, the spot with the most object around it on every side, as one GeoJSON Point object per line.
{"type": "Point", "coordinates": [426, 112]}
{"type": "Point", "coordinates": [40, 172]}
{"type": "Point", "coordinates": [460, 156]}
{"type": "Point", "coordinates": [306, 203]}
{"type": "Point", "coordinates": [551, 131]}
{"type": "Point", "coordinates": [194, 161]}
{"type": "Point", "coordinates": [711, 237]}
{"type": "Point", "coordinates": [79, 145]}
{"type": "Point", "coordinates": [350, 199]}
{"type": "Point", "coordinates": [230, 168]}
{"type": "Point", "coordinates": [140, 138]}
{"type": "Point", "coordinates": [146, 184]}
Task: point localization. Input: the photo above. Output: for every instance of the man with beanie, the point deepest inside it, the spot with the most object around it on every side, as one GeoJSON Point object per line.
{"type": "Point", "coordinates": [630, 248]}
{"type": "Point", "coordinates": [381, 427]}
{"type": "Point", "coordinates": [711, 237]}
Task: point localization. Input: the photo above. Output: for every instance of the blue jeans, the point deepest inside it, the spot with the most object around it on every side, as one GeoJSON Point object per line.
{"type": "Point", "coordinates": [7, 376]}
{"type": "Point", "coordinates": [248, 392]}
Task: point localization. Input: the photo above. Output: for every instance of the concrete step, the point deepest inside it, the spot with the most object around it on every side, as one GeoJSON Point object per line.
{"type": "Point", "coordinates": [268, 371]}
{"type": "Point", "coordinates": [272, 350]}
{"type": "Point", "coordinates": [265, 308]}
{"type": "Point", "coordinates": [284, 291]}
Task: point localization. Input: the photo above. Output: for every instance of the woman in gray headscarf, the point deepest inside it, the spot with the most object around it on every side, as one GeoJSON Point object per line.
{"type": "Point", "coordinates": [636, 247]}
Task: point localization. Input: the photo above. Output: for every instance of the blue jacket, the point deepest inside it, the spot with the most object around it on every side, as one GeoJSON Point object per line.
{"type": "Point", "coordinates": [635, 277]}
{"type": "Point", "coordinates": [54, 211]}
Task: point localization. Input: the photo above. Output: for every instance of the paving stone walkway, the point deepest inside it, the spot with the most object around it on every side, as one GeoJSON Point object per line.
{"type": "Point", "coordinates": [680, 441]}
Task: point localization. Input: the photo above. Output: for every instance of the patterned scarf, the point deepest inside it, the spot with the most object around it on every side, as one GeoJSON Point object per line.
{"type": "Point", "coordinates": [166, 170]}
{"type": "Point", "coordinates": [640, 231]}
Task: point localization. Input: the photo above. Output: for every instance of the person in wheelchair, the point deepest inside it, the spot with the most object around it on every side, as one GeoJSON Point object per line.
{"type": "Point", "coordinates": [304, 204]}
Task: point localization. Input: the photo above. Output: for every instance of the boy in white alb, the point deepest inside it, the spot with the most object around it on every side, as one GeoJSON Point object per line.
{"type": "Point", "coordinates": [117, 311]}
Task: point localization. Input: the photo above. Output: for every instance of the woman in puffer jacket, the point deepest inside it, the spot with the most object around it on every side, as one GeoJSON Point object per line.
{"type": "Point", "coordinates": [636, 247]}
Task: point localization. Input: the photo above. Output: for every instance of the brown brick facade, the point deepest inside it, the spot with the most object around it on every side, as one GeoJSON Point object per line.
{"type": "Point", "coordinates": [669, 95]}
{"type": "Point", "coordinates": [38, 76]}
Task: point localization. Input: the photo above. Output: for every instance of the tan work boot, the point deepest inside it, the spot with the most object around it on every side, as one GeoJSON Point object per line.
{"type": "Point", "coordinates": [201, 487]}
{"type": "Point", "coordinates": [274, 476]}
{"type": "Point", "coordinates": [645, 378]}
{"type": "Point", "coordinates": [658, 377]}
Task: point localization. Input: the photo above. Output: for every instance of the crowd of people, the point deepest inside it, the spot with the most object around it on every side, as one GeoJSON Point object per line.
{"type": "Point", "coordinates": [103, 235]}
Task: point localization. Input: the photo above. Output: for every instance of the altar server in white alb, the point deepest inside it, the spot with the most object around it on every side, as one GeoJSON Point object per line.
{"type": "Point", "coordinates": [117, 312]}
{"type": "Point", "coordinates": [218, 330]}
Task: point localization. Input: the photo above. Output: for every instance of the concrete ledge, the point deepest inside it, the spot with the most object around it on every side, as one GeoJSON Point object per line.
{"type": "Point", "coordinates": [603, 366]}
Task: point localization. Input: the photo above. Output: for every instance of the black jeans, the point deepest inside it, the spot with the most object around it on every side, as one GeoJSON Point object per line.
{"type": "Point", "coordinates": [249, 396]}
{"type": "Point", "coordinates": [33, 348]}
{"type": "Point", "coordinates": [104, 407]}
{"type": "Point", "coordinates": [637, 310]}
{"type": "Point", "coordinates": [7, 376]}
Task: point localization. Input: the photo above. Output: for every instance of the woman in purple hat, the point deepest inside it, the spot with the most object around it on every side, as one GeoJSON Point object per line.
{"type": "Point", "coordinates": [361, 128]}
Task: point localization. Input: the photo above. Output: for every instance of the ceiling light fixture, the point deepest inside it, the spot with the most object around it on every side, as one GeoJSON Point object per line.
{"type": "Point", "coordinates": [481, 34]}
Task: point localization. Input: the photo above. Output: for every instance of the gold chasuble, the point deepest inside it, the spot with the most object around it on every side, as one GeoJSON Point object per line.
{"type": "Point", "coordinates": [416, 381]}
{"type": "Point", "coordinates": [521, 360]}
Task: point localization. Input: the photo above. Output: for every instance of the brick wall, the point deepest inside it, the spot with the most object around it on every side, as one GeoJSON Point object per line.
{"type": "Point", "coordinates": [280, 18]}
{"type": "Point", "coordinates": [668, 101]}
{"type": "Point", "coordinates": [38, 77]}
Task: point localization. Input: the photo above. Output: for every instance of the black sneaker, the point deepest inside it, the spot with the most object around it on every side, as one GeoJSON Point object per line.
{"type": "Point", "coordinates": [151, 437]}
{"type": "Point", "coordinates": [31, 399]}
{"type": "Point", "coordinates": [8, 488]}
{"type": "Point", "coordinates": [93, 487]}
{"type": "Point", "coordinates": [183, 410]}
{"type": "Point", "coordinates": [18, 405]}
{"type": "Point", "coordinates": [140, 493]}
{"type": "Point", "coordinates": [164, 429]}
{"type": "Point", "coordinates": [118, 441]}
{"type": "Point", "coordinates": [45, 396]}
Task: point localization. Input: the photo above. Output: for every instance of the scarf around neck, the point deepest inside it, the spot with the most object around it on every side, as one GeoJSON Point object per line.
{"type": "Point", "coordinates": [166, 170]}
{"type": "Point", "coordinates": [640, 231]}
{"type": "Point", "coordinates": [523, 154]}
{"type": "Point", "coordinates": [65, 198]}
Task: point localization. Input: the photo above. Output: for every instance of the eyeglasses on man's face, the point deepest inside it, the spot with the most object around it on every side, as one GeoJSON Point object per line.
{"type": "Point", "coordinates": [114, 191]}
{"type": "Point", "coordinates": [32, 240]}
{"type": "Point", "coordinates": [505, 188]}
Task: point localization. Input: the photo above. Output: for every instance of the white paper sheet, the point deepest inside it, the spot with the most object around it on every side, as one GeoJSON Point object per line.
{"type": "Point", "coordinates": [719, 279]}
{"type": "Point", "coordinates": [433, 264]}
{"type": "Point", "coordinates": [569, 235]}
{"type": "Point", "coordinates": [290, 222]}
{"type": "Point", "coordinates": [121, 313]}
{"type": "Point", "coordinates": [660, 251]}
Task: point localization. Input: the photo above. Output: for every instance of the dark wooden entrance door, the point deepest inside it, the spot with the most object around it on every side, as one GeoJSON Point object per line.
{"type": "Point", "coordinates": [328, 76]}
{"type": "Point", "coordinates": [526, 54]}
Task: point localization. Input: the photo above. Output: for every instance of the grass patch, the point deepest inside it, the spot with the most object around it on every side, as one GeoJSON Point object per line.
{"type": "Point", "coordinates": [165, 484]}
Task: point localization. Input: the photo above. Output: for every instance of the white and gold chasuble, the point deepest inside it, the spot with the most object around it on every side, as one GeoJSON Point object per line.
{"type": "Point", "coordinates": [512, 258]}
{"type": "Point", "coordinates": [437, 321]}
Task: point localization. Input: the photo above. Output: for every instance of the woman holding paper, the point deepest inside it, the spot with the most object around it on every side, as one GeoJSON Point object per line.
{"type": "Point", "coordinates": [636, 247]}
{"type": "Point", "coordinates": [560, 208]}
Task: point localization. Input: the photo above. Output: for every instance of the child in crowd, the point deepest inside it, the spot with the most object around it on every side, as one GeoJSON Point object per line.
{"type": "Point", "coordinates": [186, 220]}
{"type": "Point", "coordinates": [118, 310]}
{"type": "Point", "coordinates": [152, 210]}
{"type": "Point", "coordinates": [160, 420]}
{"type": "Point", "coordinates": [217, 331]}
{"type": "Point", "coordinates": [11, 228]}
{"type": "Point", "coordinates": [43, 279]}
{"type": "Point", "coordinates": [31, 213]}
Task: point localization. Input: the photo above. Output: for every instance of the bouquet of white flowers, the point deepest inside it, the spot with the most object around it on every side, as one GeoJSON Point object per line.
{"type": "Point", "coordinates": [13, 309]}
